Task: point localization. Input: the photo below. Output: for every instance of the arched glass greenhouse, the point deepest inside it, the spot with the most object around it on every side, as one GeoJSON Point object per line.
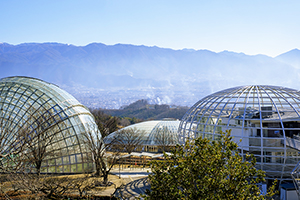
{"type": "Point", "coordinates": [265, 118]}
{"type": "Point", "coordinates": [48, 115]}
{"type": "Point", "coordinates": [156, 134]}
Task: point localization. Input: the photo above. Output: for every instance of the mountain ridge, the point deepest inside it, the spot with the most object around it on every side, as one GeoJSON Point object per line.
{"type": "Point", "coordinates": [157, 74]}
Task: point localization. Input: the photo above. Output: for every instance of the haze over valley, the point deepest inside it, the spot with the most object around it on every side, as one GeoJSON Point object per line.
{"type": "Point", "coordinates": [111, 76]}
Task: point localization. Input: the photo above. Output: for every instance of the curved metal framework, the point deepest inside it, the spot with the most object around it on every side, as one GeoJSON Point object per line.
{"type": "Point", "coordinates": [39, 108]}
{"type": "Point", "coordinates": [156, 133]}
{"type": "Point", "coordinates": [265, 118]}
{"type": "Point", "coordinates": [296, 178]}
{"type": "Point", "coordinates": [164, 132]}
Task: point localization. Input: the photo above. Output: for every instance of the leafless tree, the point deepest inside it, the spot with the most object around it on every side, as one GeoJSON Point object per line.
{"type": "Point", "coordinates": [25, 182]}
{"type": "Point", "coordinates": [106, 123]}
{"type": "Point", "coordinates": [12, 145]}
{"type": "Point", "coordinates": [164, 138]}
{"type": "Point", "coordinates": [83, 184]}
{"type": "Point", "coordinates": [103, 161]}
{"type": "Point", "coordinates": [24, 150]}
{"type": "Point", "coordinates": [50, 185]}
{"type": "Point", "coordinates": [38, 134]}
{"type": "Point", "coordinates": [26, 144]}
{"type": "Point", "coordinates": [129, 139]}
{"type": "Point", "coordinates": [124, 122]}
{"type": "Point", "coordinates": [56, 186]}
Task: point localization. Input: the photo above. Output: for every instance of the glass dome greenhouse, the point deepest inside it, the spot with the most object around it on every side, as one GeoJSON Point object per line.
{"type": "Point", "coordinates": [265, 122]}
{"type": "Point", "coordinates": [155, 134]}
{"type": "Point", "coordinates": [43, 110]}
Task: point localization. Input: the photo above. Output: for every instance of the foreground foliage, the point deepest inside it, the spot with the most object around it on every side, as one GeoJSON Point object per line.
{"type": "Point", "coordinates": [204, 169]}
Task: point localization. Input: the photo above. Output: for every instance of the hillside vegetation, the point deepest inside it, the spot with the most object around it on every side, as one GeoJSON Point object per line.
{"type": "Point", "coordinates": [142, 110]}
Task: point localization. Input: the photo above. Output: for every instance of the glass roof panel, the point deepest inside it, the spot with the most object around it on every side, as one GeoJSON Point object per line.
{"type": "Point", "coordinates": [37, 107]}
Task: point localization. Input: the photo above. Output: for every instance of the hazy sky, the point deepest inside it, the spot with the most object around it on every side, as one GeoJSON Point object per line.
{"type": "Point", "coordinates": [268, 27]}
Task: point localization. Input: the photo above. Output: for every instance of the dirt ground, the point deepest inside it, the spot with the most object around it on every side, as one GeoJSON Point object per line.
{"type": "Point", "coordinates": [7, 191]}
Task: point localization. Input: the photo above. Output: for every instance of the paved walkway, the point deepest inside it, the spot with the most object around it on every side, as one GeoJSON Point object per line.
{"type": "Point", "coordinates": [135, 182]}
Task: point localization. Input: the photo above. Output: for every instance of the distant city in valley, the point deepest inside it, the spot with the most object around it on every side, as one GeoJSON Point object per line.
{"type": "Point", "coordinates": [112, 76]}
{"type": "Point", "coordinates": [115, 99]}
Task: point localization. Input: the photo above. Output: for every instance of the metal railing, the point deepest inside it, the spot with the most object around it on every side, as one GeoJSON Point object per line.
{"type": "Point", "coordinates": [293, 143]}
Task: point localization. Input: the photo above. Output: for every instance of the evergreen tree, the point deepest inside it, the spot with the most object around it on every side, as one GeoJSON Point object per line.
{"type": "Point", "coordinates": [203, 169]}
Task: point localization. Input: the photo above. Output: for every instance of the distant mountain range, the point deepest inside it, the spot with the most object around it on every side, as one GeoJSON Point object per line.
{"type": "Point", "coordinates": [110, 76]}
{"type": "Point", "coordinates": [143, 111]}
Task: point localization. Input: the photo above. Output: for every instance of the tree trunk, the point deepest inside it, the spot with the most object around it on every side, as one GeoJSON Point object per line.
{"type": "Point", "coordinates": [98, 169]}
{"type": "Point", "coordinates": [38, 172]}
{"type": "Point", "coordinates": [105, 178]}
{"type": "Point", "coordinates": [38, 165]}
{"type": "Point", "coordinates": [98, 173]}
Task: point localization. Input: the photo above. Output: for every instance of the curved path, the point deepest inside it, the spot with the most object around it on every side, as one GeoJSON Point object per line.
{"type": "Point", "coordinates": [136, 183]}
{"type": "Point", "coordinates": [133, 189]}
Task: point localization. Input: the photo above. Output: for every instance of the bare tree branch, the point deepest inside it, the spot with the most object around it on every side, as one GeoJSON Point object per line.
{"type": "Point", "coordinates": [106, 123]}
{"type": "Point", "coordinates": [103, 161]}
{"type": "Point", "coordinates": [129, 138]}
{"type": "Point", "coordinates": [164, 138]}
{"type": "Point", "coordinates": [38, 136]}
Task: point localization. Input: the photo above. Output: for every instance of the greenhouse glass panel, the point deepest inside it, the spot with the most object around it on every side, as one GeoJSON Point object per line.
{"type": "Point", "coordinates": [38, 109]}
